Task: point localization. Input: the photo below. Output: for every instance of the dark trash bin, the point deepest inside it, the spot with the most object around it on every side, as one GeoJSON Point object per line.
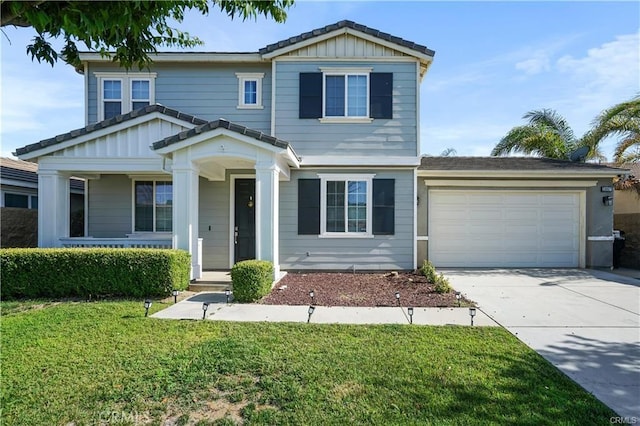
{"type": "Point", "coordinates": [618, 245]}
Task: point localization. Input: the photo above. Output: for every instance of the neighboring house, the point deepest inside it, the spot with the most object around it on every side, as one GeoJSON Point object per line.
{"type": "Point", "coordinates": [19, 203]}
{"type": "Point", "coordinates": [626, 217]}
{"type": "Point", "coordinates": [305, 153]}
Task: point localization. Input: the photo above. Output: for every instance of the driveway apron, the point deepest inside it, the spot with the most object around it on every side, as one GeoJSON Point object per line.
{"type": "Point", "coordinates": [585, 322]}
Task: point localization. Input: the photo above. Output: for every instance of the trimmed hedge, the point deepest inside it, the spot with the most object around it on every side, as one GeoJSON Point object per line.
{"type": "Point", "coordinates": [56, 273]}
{"type": "Point", "coordinates": [251, 279]}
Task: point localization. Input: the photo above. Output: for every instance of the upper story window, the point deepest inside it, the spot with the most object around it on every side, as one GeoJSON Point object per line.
{"type": "Point", "coordinates": [250, 90]}
{"type": "Point", "coordinates": [346, 95]}
{"type": "Point", "coordinates": [120, 93]}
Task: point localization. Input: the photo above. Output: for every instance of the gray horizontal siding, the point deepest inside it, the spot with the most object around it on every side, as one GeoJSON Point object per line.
{"type": "Point", "coordinates": [208, 91]}
{"type": "Point", "coordinates": [214, 213]}
{"type": "Point", "coordinates": [110, 206]}
{"type": "Point", "coordinates": [382, 252]}
{"type": "Point", "coordinates": [397, 136]}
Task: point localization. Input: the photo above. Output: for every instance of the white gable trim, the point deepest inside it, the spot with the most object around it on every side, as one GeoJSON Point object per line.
{"type": "Point", "coordinates": [87, 137]}
{"type": "Point", "coordinates": [193, 140]}
{"type": "Point", "coordinates": [352, 32]}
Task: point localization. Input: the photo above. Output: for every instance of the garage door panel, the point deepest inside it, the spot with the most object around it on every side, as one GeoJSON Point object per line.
{"type": "Point", "coordinates": [511, 229]}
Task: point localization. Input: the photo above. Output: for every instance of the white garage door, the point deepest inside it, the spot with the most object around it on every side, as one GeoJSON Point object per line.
{"type": "Point", "coordinates": [474, 228]}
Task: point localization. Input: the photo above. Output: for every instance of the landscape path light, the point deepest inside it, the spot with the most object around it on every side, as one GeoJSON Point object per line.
{"type": "Point", "coordinates": [311, 309]}
{"type": "Point", "coordinates": [398, 297]}
{"type": "Point", "coordinates": [175, 296]}
{"type": "Point", "coordinates": [227, 293]}
{"type": "Point", "coordinates": [472, 313]}
{"type": "Point", "coordinates": [147, 305]}
{"type": "Point", "coordinates": [410, 311]}
{"type": "Point", "coordinates": [458, 297]}
{"type": "Point", "coordinates": [312, 295]}
{"type": "Point", "coordinates": [205, 306]}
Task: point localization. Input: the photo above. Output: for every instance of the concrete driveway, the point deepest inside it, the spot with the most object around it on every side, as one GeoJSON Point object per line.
{"type": "Point", "coordinates": [585, 322]}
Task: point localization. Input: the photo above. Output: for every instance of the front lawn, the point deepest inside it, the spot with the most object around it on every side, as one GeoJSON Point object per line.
{"type": "Point", "coordinates": [104, 363]}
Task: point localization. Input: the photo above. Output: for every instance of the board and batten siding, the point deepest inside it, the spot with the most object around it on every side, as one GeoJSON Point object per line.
{"type": "Point", "coordinates": [381, 252]}
{"type": "Point", "coordinates": [110, 207]}
{"type": "Point", "coordinates": [390, 137]}
{"type": "Point", "coordinates": [214, 223]}
{"type": "Point", "coordinates": [131, 142]}
{"type": "Point", "coordinates": [207, 91]}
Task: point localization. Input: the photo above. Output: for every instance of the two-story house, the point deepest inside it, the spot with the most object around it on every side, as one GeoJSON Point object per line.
{"type": "Point", "coordinates": [305, 153]}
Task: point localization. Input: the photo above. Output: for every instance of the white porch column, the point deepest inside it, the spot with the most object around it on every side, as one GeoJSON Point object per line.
{"type": "Point", "coordinates": [267, 214]}
{"type": "Point", "coordinates": [185, 212]}
{"type": "Point", "coordinates": [53, 208]}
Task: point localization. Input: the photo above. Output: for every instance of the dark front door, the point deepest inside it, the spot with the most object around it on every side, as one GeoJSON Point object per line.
{"type": "Point", "coordinates": [245, 220]}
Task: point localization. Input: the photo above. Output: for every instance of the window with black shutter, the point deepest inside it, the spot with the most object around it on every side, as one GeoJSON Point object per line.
{"type": "Point", "coordinates": [345, 95]}
{"type": "Point", "coordinates": [310, 95]}
{"type": "Point", "coordinates": [383, 206]}
{"type": "Point", "coordinates": [381, 95]}
{"type": "Point", "coordinates": [308, 206]}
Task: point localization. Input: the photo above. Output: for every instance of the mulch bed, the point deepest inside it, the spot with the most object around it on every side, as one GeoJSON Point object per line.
{"type": "Point", "coordinates": [360, 289]}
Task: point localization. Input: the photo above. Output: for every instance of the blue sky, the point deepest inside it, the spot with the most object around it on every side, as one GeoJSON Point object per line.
{"type": "Point", "coordinates": [494, 61]}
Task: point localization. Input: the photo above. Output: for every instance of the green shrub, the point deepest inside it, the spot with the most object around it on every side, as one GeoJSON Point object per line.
{"type": "Point", "coordinates": [251, 279]}
{"type": "Point", "coordinates": [441, 285]}
{"type": "Point", "coordinates": [58, 273]}
{"type": "Point", "coordinates": [429, 271]}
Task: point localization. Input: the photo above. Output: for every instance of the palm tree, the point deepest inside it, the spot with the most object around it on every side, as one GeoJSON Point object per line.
{"type": "Point", "coordinates": [547, 134]}
{"type": "Point", "coordinates": [622, 120]}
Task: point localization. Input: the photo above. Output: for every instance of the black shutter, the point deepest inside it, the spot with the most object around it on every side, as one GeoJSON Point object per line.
{"type": "Point", "coordinates": [308, 206]}
{"type": "Point", "coordinates": [310, 95]}
{"type": "Point", "coordinates": [381, 95]}
{"type": "Point", "coordinates": [384, 201]}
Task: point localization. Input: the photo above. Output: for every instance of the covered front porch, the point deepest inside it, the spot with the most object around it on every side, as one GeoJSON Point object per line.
{"type": "Point", "coordinates": [212, 190]}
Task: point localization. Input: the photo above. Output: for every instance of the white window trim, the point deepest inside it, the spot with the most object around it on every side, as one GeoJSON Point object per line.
{"type": "Point", "coordinates": [149, 99]}
{"type": "Point", "coordinates": [346, 72]}
{"type": "Point", "coordinates": [26, 194]}
{"type": "Point", "coordinates": [133, 205]}
{"type": "Point", "coordinates": [126, 90]}
{"type": "Point", "coordinates": [324, 178]}
{"type": "Point", "coordinates": [250, 76]}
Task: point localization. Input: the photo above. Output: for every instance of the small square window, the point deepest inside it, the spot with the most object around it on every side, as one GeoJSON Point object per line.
{"type": "Point", "coordinates": [249, 90]}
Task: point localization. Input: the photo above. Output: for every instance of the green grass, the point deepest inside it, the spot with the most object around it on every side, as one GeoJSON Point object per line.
{"type": "Point", "coordinates": [103, 362]}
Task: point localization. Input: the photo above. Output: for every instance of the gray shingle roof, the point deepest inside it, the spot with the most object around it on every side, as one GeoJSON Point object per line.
{"type": "Point", "coordinates": [347, 24]}
{"type": "Point", "coordinates": [221, 124]}
{"type": "Point", "coordinates": [508, 163]}
{"type": "Point", "coordinates": [108, 123]}
{"type": "Point", "coordinates": [24, 171]}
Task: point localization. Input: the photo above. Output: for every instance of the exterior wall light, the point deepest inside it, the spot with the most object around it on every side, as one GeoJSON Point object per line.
{"type": "Point", "coordinates": [227, 293]}
{"type": "Point", "coordinates": [205, 306]}
{"type": "Point", "coordinates": [147, 305]}
{"type": "Point", "coordinates": [311, 309]}
{"type": "Point", "coordinates": [607, 200]}
{"type": "Point", "coordinates": [472, 313]}
{"type": "Point", "coordinates": [410, 312]}
{"type": "Point", "coordinates": [175, 296]}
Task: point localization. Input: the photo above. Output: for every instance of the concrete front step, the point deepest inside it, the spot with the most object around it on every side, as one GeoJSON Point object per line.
{"type": "Point", "coordinates": [209, 286]}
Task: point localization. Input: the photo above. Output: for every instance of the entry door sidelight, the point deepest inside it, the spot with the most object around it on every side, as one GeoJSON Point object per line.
{"type": "Point", "coordinates": [244, 231]}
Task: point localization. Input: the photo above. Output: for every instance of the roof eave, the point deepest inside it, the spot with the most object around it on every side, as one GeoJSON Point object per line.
{"type": "Point", "coordinates": [521, 174]}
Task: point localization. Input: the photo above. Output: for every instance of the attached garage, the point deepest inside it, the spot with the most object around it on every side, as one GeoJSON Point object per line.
{"type": "Point", "coordinates": [476, 228]}
{"type": "Point", "coordinates": [514, 212]}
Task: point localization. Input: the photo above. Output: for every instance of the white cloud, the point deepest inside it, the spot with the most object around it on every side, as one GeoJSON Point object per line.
{"type": "Point", "coordinates": [539, 63]}
{"type": "Point", "coordinates": [608, 73]}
